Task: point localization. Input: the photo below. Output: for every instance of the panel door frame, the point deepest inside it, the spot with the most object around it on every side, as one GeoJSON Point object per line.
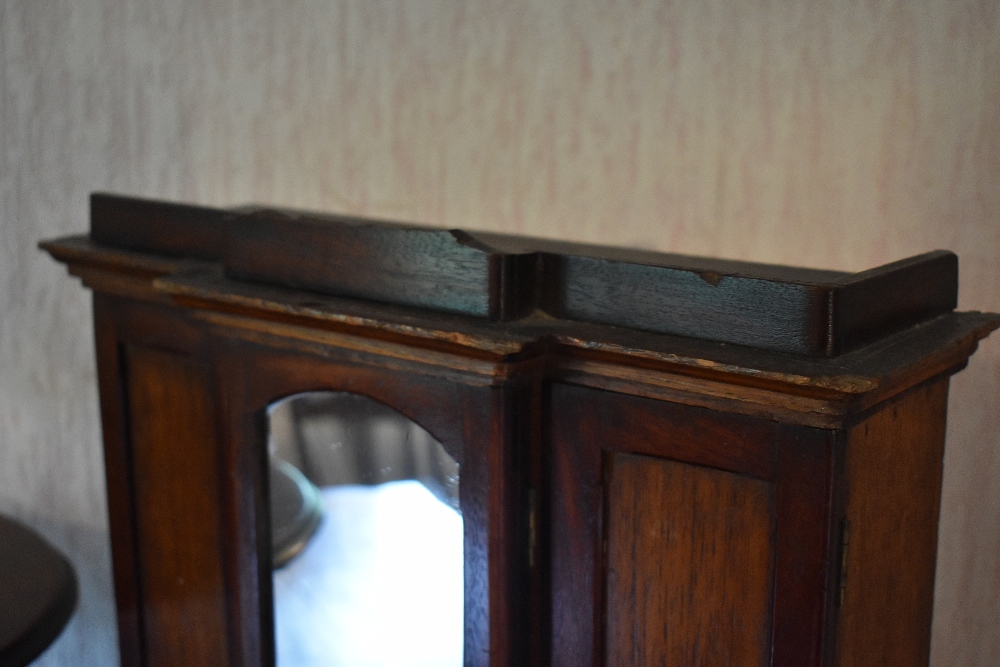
{"type": "Point", "coordinates": [585, 426]}
{"type": "Point", "coordinates": [484, 422]}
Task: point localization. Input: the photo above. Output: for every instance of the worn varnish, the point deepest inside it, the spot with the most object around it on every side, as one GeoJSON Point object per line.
{"type": "Point", "coordinates": [661, 455]}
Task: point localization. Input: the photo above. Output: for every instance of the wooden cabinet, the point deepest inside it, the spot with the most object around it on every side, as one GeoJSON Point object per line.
{"type": "Point", "coordinates": [664, 459]}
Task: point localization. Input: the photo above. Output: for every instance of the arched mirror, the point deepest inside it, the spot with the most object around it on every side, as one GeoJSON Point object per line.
{"type": "Point", "coordinates": [367, 536]}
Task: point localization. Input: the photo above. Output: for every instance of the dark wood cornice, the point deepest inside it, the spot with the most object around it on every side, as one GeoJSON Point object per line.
{"type": "Point", "coordinates": [815, 391]}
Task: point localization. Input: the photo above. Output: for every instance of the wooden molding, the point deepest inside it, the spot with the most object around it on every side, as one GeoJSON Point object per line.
{"type": "Point", "coordinates": [798, 311]}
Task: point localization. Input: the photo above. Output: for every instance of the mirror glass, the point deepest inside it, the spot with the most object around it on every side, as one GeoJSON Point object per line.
{"type": "Point", "coordinates": [367, 537]}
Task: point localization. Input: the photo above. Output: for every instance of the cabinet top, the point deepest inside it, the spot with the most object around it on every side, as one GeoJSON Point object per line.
{"type": "Point", "coordinates": [503, 278]}
{"type": "Point", "coordinates": [830, 334]}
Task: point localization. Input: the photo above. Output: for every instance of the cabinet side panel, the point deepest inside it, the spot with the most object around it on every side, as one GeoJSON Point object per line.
{"type": "Point", "coordinates": [893, 496]}
{"type": "Point", "coordinates": [118, 472]}
{"type": "Point", "coordinates": [175, 467]}
{"type": "Point", "coordinates": [689, 565]}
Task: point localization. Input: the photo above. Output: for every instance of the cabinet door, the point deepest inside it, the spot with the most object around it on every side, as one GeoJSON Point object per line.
{"type": "Point", "coordinates": [473, 423]}
{"type": "Point", "coordinates": [185, 422]}
{"type": "Point", "coordinates": [684, 536]}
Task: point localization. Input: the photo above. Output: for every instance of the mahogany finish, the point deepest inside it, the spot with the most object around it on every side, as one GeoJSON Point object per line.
{"type": "Point", "coordinates": [689, 564]}
{"type": "Point", "coordinates": [660, 455]}
{"type": "Point", "coordinates": [889, 560]}
{"type": "Point", "coordinates": [177, 517]}
{"type": "Point", "coordinates": [592, 429]}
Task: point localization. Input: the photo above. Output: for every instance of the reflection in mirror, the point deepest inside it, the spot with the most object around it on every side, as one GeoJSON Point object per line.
{"type": "Point", "coordinates": [366, 534]}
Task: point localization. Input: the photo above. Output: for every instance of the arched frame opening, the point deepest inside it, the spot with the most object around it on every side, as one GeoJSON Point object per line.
{"type": "Point", "coordinates": [467, 413]}
{"type": "Point", "coordinates": [367, 536]}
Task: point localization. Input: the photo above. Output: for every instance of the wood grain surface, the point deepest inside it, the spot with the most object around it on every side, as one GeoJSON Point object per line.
{"type": "Point", "coordinates": [689, 565]}
{"type": "Point", "coordinates": [894, 470]}
{"type": "Point", "coordinates": [505, 277]}
{"type": "Point", "coordinates": [175, 471]}
{"type": "Point", "coordinates": [818, 134]}
{"type": "Point", "coordinates": [588, 426]}
{"type": "Point", "coordinates": [446, 270]}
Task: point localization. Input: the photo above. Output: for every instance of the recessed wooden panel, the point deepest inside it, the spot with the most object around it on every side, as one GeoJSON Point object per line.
{"type": "Point", "coordinates": [689, 565]}
{"type": "Point", "coordinates": [176, 497]}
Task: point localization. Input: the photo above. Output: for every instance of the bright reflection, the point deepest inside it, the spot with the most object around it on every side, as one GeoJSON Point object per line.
{"type": "Point", "coordinates": [380, 581]}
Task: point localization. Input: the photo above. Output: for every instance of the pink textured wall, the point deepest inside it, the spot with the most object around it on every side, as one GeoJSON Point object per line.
{"type": "Point", "coordinates": [831, 134]}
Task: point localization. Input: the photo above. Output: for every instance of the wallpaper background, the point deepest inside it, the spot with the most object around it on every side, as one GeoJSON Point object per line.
{"type": "Point", "coordinates": [835, 134]}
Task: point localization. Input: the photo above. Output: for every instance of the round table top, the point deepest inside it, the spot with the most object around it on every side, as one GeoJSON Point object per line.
{"type": "Point", "coordinates": [38, 593]}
